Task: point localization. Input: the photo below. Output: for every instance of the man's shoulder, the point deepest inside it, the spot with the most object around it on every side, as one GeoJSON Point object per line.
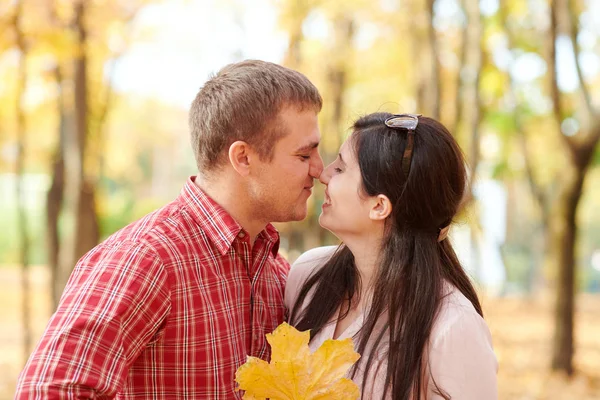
{"type": "Point", "coordinates": [145, 229]}
{"type": "Point", "coordinates": [164, 231]}
{"type": "Point", "coordinates": [281, 263]}
{"type": "Point", "coordinates": [135, 247]}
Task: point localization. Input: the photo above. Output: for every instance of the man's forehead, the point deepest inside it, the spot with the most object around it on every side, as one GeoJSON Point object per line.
{"type": "Point", "coordinates": [309, 144]}
{"type": "Point", "coordinates": [301, 129]}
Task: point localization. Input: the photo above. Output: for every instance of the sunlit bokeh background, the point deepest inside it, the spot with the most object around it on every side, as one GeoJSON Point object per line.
{"type": "Point", "coordinates": [93, 135]}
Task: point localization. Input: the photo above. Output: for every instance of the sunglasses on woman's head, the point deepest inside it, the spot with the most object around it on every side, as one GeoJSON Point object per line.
{"type": "Point", "coordinates": [408, 122]}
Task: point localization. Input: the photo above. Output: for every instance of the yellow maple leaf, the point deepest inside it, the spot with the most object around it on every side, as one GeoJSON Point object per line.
{"type": "Point", "coordinates": [297, 374]}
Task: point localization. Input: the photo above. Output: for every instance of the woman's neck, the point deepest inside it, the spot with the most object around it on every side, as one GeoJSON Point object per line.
{"type": "Point", "coordinates": [366, 251]}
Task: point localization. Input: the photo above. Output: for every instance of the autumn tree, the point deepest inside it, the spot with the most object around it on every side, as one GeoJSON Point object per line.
{"type": "Point", "coordinates": [580, 148]}
{"type": "Point", "coordinates": [559, 196]}
{"type": "Point", "coordinates": [21, 83]}
{"type": "Point", "coordinates": [85, 53]}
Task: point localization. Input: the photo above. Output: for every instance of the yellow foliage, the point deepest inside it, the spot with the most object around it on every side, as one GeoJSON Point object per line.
{"type": "Point", "coordinates": [296, 373]}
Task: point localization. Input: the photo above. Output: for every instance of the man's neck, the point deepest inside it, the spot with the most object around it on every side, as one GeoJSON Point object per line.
{"type": "Point", "coordinates": [228, 195]}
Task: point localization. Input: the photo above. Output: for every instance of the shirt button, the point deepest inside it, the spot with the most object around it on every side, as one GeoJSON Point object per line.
{"type": "Point", "coordinates": [241, 234]}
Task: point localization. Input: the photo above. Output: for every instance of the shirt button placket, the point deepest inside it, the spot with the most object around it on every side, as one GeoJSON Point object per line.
{"type": "Point", "coordinates": [248, 264]}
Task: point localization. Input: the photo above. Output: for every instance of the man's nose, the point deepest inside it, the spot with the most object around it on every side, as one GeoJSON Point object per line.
{"type": "Point", "coordinates": [316, 168]}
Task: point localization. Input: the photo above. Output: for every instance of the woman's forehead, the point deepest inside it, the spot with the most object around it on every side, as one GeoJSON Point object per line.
{"type": "Point", "coordinates": [347, 151]}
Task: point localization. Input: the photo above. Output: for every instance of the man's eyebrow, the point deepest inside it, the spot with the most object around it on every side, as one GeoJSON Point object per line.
{"type": "Point", "coordinates": [308, 147]}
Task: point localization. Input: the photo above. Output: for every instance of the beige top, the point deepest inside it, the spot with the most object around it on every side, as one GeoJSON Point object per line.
{"type": "Point", "coordinates": [461, 358]}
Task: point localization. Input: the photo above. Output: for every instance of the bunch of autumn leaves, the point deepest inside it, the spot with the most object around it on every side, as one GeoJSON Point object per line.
{"type": "Point", "coordinates": [297, 374]}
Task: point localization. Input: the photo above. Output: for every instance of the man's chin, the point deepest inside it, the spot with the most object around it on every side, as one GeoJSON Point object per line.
{"type": "Point", "coordinates": [297, 215]}
{"type": "Point", "coordinates": [301, 214]}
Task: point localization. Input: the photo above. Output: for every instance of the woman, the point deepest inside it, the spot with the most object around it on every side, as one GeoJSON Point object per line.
{"type": "Point", "coordinates": [395, 285]}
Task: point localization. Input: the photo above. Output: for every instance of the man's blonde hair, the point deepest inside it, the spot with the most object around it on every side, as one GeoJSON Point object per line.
{"type": "Point", "coordinates": [242, 102]}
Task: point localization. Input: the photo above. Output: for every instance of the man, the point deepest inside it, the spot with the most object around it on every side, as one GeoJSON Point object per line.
{"type": "Point", "coordinates": [170, 306]}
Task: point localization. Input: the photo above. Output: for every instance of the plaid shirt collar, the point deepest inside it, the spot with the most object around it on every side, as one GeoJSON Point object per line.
{"type": "Point", "coordinates": [216, 222]}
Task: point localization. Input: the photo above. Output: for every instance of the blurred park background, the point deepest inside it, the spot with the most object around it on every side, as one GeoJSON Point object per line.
{"type": "Point", "coordinates": [93, 134]}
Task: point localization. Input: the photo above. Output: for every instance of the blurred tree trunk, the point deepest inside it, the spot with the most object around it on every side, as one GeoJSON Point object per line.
{"type": "Point", "coordinates": [539, 193]}
{"type": "Point", "coordinates": [580, 148]}
{"type": "Point", "coordinates": [337, 79]}
{"type": "Point", "coordinates": [426, 54]}
{"type": "Point", "coordinates": [434, 90]}
{"type": "Point", "coordinates": [477, 55]}
{"type": "Point", "coordinates": [21, 130]}
{"type": "Point", "coordinates": [563, 240]}
{"type": "Point", "coordinates": [86, 220]}
{"type": "Point", "coordinates": [81, 146]}
{"type": "Point", "coordinates": [55, 195]}
{"type": "Point", "coordinates": [296, 12]}
{"type": "Point", "coordinates": [337, 71]}
{"type": "Point", "coordinates": [100, 121]}
{"type": "Point", "coordinates": [460, 76]}
{"type": "Point", "coordinates": [99, 112]}
{"type": "Point", "coordinates": [469, 112]}
{"type": "Point", "coordinates": [87, 228]}
{"type": "Point", "coordinates": [540, 250]}
{"type": "Point", "coordinates": [78, 190]}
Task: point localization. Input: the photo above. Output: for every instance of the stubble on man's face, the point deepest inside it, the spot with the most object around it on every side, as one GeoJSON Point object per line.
{"type": "Point", "coordinates": [274, 203]}
{"type": "Point", "coordinates": [281, 194]}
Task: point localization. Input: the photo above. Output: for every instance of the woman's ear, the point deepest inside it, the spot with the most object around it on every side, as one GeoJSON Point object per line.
{"type": "Point", "coordinates": [239, 157]}
{"type": "Point", "coordinates": [381, 208]}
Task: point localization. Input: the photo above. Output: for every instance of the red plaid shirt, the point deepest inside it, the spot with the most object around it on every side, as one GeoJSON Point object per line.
{"type": "Point", "coordinates": [166, 308]}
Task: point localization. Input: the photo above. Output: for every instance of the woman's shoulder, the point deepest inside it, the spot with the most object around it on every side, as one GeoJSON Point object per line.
{"type": "Point", "coordinates": [457, 312]}
{"type": "Point", "coordinates": [316, 256]}
{"type": "Point", "coordinates": [461, 357]}
{"type": "Point", "coordinates": [308, 263]}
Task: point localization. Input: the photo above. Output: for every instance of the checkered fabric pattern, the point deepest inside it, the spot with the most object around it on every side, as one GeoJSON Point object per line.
{"type": "Point", "coordinates": [167, 308]}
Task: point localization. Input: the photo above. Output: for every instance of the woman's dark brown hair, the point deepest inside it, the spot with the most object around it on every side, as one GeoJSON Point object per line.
{"type": "Point", "coordinates": [408, 287]}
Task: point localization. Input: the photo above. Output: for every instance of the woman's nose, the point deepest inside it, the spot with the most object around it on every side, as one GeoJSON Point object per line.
{"type": "Point", "coordinates": [325, 176]}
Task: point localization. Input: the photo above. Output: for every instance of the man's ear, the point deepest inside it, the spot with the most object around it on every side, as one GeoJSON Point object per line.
{"type": "Point", "coordinates": [381, 208]}
{"type": "Point", "coordinates": [239, 157]}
